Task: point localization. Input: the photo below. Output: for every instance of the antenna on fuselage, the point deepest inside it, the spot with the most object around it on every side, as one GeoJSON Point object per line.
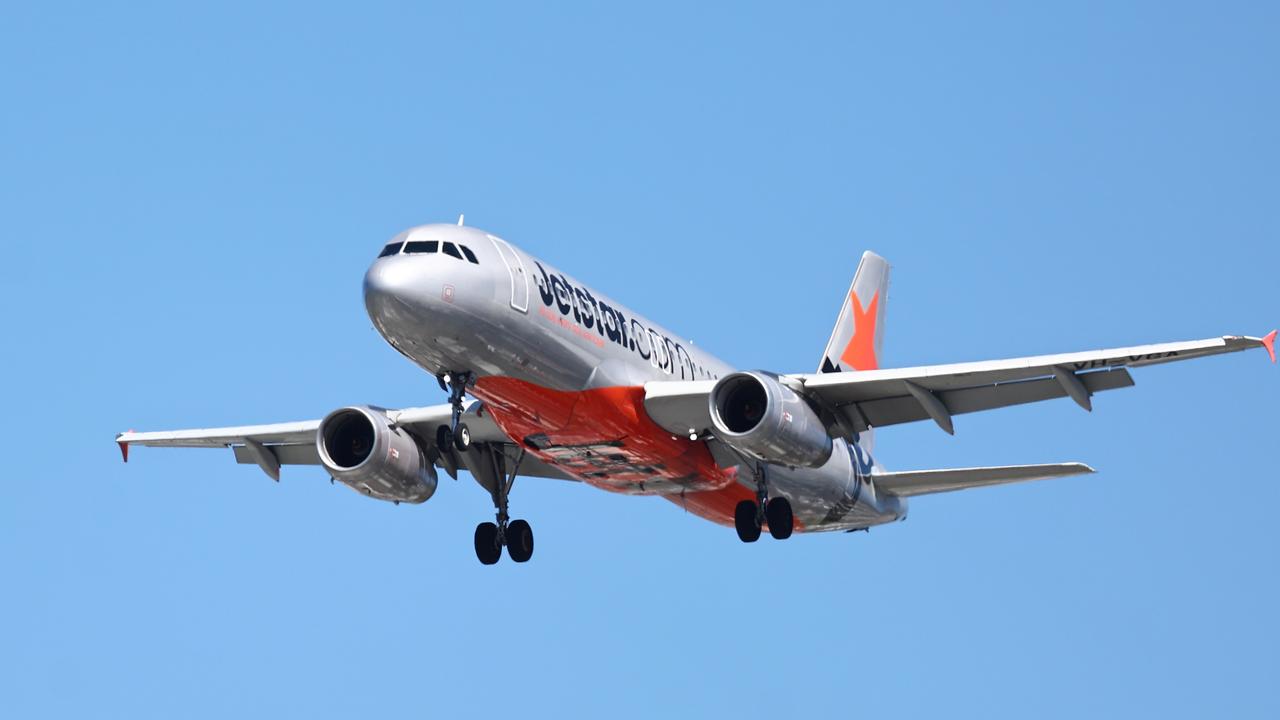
{"type": "Point", "coordinates": [461, 217]}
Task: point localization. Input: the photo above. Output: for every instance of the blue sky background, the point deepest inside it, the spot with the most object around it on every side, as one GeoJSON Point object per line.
{"type": "Point", "coordinates": [189, 198]}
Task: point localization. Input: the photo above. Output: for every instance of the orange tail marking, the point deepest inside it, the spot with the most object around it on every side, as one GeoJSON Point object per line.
{"type": "Point", "coordinates": [860, 353]}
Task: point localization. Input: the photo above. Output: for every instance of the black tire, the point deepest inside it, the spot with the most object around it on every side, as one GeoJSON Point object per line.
{"type": "Point", "coordinates": [745, 521]}
{"type": "Point", "coordinates": [520, 541]}
{"type": "Point", "coordinates": [488, 551]}
{"type": "Point", "coordinates": [444, 438]}
{"type": "Point", "coordinates": [462, 438]}
{"type": "Point", "coordinates": [777, 512]}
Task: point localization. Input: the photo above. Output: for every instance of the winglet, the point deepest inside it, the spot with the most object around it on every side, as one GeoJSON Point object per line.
{"type": "Point", "coordinates": [124, 446]}
{"type": "Point", "coordinates": [1269, 342]}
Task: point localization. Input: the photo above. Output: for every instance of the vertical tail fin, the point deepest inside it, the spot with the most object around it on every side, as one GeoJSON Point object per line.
{"type": "Point", "coordinates": [858, 336]}
{"type": "Point", "coordinates": [859, 333]}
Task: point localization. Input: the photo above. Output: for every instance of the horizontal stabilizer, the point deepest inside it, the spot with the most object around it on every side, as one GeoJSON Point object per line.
{"type": "Point", "coordinates": [926, 482]}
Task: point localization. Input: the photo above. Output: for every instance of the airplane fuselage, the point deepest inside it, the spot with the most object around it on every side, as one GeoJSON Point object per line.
{"type": "Point", "coordinates": [561, 370]}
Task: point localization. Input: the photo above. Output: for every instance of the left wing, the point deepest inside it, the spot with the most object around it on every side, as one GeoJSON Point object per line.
{"type": "Point", "coordinates": [294, 443]}
{"type": "Point", "coordinates": [854, 401]}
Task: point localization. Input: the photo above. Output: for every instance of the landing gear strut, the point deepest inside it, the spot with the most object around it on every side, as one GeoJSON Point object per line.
{"type": "Point", "coordinates": [516, 535]}
{"type": "Point", "coordinates": [750, 515]}
{"type": "Point", "coordinates": [456, 433]}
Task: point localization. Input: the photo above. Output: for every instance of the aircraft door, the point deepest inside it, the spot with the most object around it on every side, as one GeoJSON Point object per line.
{"type": "Point", "coordinates": [515, 268]}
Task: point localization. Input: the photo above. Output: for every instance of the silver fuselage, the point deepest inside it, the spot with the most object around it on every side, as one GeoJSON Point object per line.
{"type": "Point", "coordinates": [517, 322]}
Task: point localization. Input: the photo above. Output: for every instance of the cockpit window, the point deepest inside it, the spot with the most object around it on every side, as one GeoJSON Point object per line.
{"type": "Point", "coordinates": [426, 247]}
{"type": "Point", "coordinates": [423, 246]}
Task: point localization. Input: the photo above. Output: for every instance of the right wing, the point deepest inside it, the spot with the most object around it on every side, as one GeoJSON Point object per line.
{"type": "Point", "coordinates": [876, 398]}
{"type": "Point", "coordinates": [852, 402]}
{"type": "Point", "coordinates": [294, 443]}
{"type": "Point", "coordinates": [926, 482]}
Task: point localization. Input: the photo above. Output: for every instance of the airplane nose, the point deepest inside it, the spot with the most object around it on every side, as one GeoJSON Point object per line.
{"type": "Point", "coordinates": [388, 288]}
{"type": "Point", "coordinates": [389, 279]}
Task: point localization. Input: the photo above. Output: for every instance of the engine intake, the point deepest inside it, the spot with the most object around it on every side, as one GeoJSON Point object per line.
{"type": "Point", "coordinates": [759, 416]}
{"type": "Point", "coordinates": [361, 449]}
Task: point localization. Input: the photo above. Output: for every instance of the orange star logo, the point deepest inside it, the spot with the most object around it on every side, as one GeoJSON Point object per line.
{"type": "Point", "coordinates": [860, 353]}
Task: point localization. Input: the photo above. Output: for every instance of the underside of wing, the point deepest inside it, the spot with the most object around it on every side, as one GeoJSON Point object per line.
{"type": "Point", "coordinates": [294, 443]}
{"type": "Point", "coordinates": [927, 482]}
{"type": "Point", "coordinates": [852, 402]}
{"type": "Point", "coordinates": [877, 398]}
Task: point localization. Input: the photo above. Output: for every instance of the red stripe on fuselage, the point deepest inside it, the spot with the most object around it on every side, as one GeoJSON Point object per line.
{"type": "Point", "coordinates": [604, 437]}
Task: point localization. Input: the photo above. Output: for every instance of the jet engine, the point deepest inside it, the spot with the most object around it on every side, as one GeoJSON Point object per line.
{"type": "Point", "coordinates": [761, 417]}
{"type": "Point", "coordinates": [362, 449]}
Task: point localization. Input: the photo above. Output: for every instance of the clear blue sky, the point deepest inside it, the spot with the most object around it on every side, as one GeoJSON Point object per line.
{"type": "Point", "coordinates": [189, 198]}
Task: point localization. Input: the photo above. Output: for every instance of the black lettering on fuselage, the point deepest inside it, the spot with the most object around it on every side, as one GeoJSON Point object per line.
{"type": "Point", "coordinates": [588, 312]}
{"type": "Point", "coordinates": [661, 355]}
{"type": "Point", "coordinates": [637, 335]}
{"type": "Point", "coordinates": [685, 361]}
{"type": "Point", "coordinates": [588, 318]}
{"type": "Point", "coordinates": [593, 309]}
{"type": "Point", "coordinates": [571, 300]}
{"type": "Point", "coordinates": [544, 285]}
{"type": "Point", "coordinates": [559, 287]}
{"type": "Point", "coordinates": [610, 324]}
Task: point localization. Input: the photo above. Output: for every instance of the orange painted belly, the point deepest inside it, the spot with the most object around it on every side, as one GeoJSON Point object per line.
{"type": "Point", "coordinates": [601, 436]}
{"type": "Point", "coordinates": [604, 437]}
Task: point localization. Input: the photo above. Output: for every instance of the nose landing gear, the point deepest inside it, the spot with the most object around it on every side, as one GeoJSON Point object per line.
{"type": "Point", "coordinates": [750, 515]}
{"type": "Point", "coordinates": [488, 464]}
{"type": "Point", "coordinates": [456, 432]}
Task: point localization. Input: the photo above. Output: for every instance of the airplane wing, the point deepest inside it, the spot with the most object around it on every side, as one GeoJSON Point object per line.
{"type": "Point", "coordinates": [927, 482]}
{"type": "Point", "coordinates": [294, 443]}
{"type": "Point", "coordinates": [854, 401]}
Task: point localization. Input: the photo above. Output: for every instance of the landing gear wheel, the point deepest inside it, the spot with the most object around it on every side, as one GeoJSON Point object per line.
{"type": "Point", "coordinates": [778, 514]}
{"type": "Point", "coordinates": [519, 541]}
{"type": "Point", "coordinates": [444, 437]}
{"type": "Point", "coordinates": [746, 522]}
{"type": "Point", "coordinates": [462, 438]}
{"type": "Point", "coordinates": [487, 548]}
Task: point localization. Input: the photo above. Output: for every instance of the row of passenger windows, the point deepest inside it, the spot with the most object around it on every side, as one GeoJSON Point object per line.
{"type": "Point", "coordinates": [419, 247]}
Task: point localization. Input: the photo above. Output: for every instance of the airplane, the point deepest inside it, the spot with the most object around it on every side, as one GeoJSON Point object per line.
{"type": "Point", "coordinates": [550, 378]}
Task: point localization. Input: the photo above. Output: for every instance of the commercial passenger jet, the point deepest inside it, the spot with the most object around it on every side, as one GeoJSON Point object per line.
{"type": "Point", "coordinates": [567, 383]}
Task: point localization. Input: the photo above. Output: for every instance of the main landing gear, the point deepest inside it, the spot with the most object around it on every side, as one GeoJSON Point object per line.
{"type": "Point", "coordinates": [456, 432]}
{"type": "Point", "coordinates": [516, 535]}
{"type": "Point", "coordinates": [750, 515]}
{"type": "Point", "coordinates": [488, 464]}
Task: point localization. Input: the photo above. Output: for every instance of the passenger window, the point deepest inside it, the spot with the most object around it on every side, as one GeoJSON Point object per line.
{"type": "Point", "coordinates": [471, 257]}
{"type": "Point", "coordinates": [422, 246]}
{"type": "Point", "coordinates": [391, 249]}
{"type": "Point", "coordinates": [449, 249]}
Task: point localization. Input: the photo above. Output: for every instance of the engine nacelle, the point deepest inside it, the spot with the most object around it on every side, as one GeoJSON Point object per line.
{"type": "Point", "coordinates": [759, 416]}
{"type": "Point", "coordinates": [360, 448]}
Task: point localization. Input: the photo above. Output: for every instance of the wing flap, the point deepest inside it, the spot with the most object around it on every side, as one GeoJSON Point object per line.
{"type": "Point", "coordinates": [875, 398]}
{"type": "Point", "coordinates": [927, 482]}
{"type": "Point", "coordinates": [679, 406]}
{"type": "Point", "coordinates": [842, 388]}
{"type": "Point", "coordinates": [423, 419]}
{"type": "Point", "coordinates": [905, 408]}
{"type": "Point", "coordinates": [285, 454]}
{"type": "Point", "coordinates": [294, 443]}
